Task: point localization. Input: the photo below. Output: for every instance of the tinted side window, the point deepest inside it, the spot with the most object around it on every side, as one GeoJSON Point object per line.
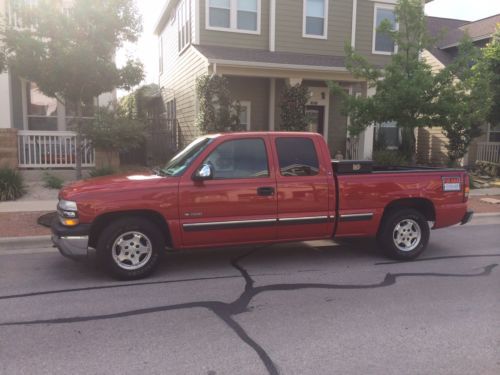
{"type": "Point", "coordinates": [242, 158]}
{"type": "Point", "coordinates": [297, 157]}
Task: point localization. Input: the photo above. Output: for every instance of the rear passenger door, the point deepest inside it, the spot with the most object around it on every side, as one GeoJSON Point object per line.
{"type": "Point", "coordinates": [302, 188]}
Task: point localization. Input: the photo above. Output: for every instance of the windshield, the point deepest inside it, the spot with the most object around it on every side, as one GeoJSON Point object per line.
{"type": "Point", "coordinates": [180, 162]}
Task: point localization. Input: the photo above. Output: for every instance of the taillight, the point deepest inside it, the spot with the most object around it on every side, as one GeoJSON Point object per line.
{"type": "Point", "coordinates": [466, 187]}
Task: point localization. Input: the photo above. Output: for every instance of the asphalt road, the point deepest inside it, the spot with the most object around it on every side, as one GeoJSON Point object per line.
{"type": "Point", "coordinates": [315, 308]}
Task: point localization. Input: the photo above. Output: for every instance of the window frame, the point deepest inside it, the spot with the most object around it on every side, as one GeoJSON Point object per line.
{"type": "Point", "coordinates": [233, 19]}
{"type": "Point", "coordinates": [304, 23]}
{"type": "Point", "coordinates": [374, 31]}
{"type": "Point", "coordinates": [262, 139]}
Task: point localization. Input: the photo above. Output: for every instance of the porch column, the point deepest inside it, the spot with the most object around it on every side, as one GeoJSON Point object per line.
{"type": "Point", "coordinates": [272, 103]}
{"type": "Point", "coordinates": [5, 102]}
{"type": "Point", "coordinates": [366, 138]}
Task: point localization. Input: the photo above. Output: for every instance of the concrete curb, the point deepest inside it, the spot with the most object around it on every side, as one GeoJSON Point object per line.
{"type": "Point", "coordinates": [23, 243]}
{"type": "Point", "coordinates": [45, 242]}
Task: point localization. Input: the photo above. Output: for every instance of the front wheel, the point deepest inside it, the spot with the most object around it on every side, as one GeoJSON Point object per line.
{"type": "Point", "coordinates": [404, 234]}
{"type": "Point", "coordinates": [131, 248]}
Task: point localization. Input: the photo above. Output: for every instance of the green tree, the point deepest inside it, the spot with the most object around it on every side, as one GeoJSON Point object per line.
{"type": "Point", "coordinates": [293, 108]}
{"type": "Point", "coordinates": [490, 65]}
{"type": "Point", "coordinates": [135, 104]}
{"type": "Point", "coordinates": [464, 100]}
{"type": "Point", "coordinates": [404, 88]}
{"type": "Point", "coordinates": [69, 53]}
{"type": "Point", "coordinates": [218, 112]}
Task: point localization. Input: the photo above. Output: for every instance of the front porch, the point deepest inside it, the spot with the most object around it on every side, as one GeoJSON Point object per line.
{"type": "Point", "coordinates": [260, 99]}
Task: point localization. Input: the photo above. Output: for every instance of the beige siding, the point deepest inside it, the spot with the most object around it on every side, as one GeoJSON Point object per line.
{"type": "Point", "coordinates": [289, 27]}
{"type": "Point", "coordinates": [364, 33]}
{"type": "Point", "coordinates": [431, 146]}
{"type": "Point", "coordinates": [236, 39]}
{"type": "Point", "coordinates": [434, 63]}
{"type": "Point", "coordinates": [180, 83]}
{"type": "Point", "coordinates": [256, 91]}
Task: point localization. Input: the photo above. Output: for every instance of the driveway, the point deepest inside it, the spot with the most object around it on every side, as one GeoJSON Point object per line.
{"type": "Point", "coordinates": [314, 308]}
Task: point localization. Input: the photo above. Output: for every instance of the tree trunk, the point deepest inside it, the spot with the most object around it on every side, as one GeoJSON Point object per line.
{"type": "Point", "coordinates": [78, 150]}
{"type": "Point", "coordinates": [409, 144]}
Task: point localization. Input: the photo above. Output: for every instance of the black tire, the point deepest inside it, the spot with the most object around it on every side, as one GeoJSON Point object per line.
{"type": "Point", "coordinates": [151, 238]}
{"type": "Point", "coordinates": [388, 237]}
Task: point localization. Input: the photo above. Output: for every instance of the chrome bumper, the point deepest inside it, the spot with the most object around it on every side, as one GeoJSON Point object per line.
{"type": "Point", "coordinates": [73, 247]}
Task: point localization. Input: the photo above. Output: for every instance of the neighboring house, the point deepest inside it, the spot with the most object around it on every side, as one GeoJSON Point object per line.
{"type": "Point", "coordinates": [42, 122]}
{"type": "Point", "coordinates": [431, 141]}
{"type": "Point", "coordinates": [263, 45]}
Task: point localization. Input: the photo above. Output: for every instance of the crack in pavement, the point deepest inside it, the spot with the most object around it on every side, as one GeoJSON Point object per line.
{"type": "Point", "coordinates": [227, 311]}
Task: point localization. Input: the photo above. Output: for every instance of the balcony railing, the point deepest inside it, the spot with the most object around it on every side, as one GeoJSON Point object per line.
{"type": "Point", "coordinates": [488, 151]}
{"type": "Point", "coordinates": [52, 149]}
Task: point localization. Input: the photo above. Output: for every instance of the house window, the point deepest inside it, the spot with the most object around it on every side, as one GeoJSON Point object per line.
{"type": "Point", "coordinates": [388, 136]}
{"type": "Point", "coordinates": [383, 42]}
{"type": "Point", "coordinates": [494, 133]}
{"type": "Point", "coordinates": [184, 25]}
{"type": "Point", "coordinates": [42, 110]}
{"type": "Point", "coordinates": [170, 110]}
{"type": "Point", "coordinates": [315, 18]}
{"type": "Point", "coordinates": [234, 15]}
{"type": "Point", "coordinates": [245, 114]}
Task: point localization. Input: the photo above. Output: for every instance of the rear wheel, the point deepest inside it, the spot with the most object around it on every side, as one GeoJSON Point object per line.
{"type": "Point", "coordinates": [131, 248]}
{"type": "Point", "coordinates": [404, 234]}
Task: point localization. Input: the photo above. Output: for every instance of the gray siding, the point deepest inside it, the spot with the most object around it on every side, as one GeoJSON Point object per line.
{"type": "Point", "coordinates": [255, 90]}
{"type": "Point", "coordinates": [289, 23]}
{"type": "Point", "coordinates": [236, 39]}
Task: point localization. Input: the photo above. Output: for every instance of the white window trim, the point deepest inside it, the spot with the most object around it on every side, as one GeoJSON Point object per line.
{"type": "Point", "coordinates": [248, 105]}
{"type": "Point", "coordinates": [304, 13]}
{"type": "Point", "coordinates": [375, 8]}
{"type": "Point", "coordinates": [490, 130]}
{"type": "Point", "coordinates": [233, 19]}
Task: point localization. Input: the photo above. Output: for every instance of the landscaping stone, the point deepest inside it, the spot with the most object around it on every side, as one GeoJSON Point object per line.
{"type": "Point", "coordinates": [490, 200]}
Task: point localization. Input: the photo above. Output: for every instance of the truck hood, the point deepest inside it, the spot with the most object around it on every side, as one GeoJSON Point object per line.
{"type": "Point", "coordinates": [115, 183]}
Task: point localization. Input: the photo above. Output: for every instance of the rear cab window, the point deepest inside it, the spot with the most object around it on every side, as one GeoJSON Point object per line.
{"type": "Point", "coordinates": [297, 156]}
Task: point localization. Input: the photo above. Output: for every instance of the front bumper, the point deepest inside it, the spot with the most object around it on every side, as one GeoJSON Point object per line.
{"type": "Point", "coordinates": [73, 243]}
{"type": "Point", "coordinates": [467, 217]}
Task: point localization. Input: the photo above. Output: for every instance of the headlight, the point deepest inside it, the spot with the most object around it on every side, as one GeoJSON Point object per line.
{"type": "Point", "coordinates": [67, 205]}
{"type": "Point", "coordinates": [68, 215]}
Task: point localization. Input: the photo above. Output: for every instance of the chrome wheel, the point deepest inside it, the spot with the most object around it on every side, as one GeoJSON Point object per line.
{"type": "Point", "coordinates": [407, 235]}
{"type": "Point", "coordinates": [132, 250]}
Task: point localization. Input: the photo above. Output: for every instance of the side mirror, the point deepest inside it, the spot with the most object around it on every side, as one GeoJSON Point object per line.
{"type": "Point", "coordinates": [206, 172]}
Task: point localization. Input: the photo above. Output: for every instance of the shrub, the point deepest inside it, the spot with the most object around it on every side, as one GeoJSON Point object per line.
{"type": "Point", "coordinates": [52, 182]}
{"type": "Point", "coordinates": [103, 171]}
{"type": "Point", "coordinates": [11, 184]}
{"type": "Point", "coordinates": [293, 108]}
{"type": "Point", "coordinates": [387, 158]}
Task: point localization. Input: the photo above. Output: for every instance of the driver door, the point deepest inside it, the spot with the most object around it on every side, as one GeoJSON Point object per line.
{"type": "Point", "coordinates": [238, 205]}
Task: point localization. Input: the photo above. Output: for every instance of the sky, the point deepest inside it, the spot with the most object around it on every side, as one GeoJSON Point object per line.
{"type": "Point", "coordinates": [147, 48]}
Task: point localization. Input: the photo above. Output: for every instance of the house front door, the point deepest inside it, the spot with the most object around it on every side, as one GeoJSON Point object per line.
{"type": "Point", "coordinates": [316, 117]}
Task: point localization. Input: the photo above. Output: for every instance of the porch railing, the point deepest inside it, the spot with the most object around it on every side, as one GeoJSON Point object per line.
{"type": "Point", "coordinates": [488, 151]}
{"type": "Point", "coordinates": [52, 149]}
{"type": "Point", "coordinates": [353, 148]}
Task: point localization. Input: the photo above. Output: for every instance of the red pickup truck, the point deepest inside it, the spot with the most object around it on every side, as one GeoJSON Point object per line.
{"type": "Point", "coordinates": [246, 188]}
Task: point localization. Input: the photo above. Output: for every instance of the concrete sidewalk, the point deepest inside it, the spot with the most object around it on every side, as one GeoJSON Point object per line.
{"type": "Point", "coordinates": [484, 192]}
{"type": "Point", "coordinates": [29, 206]}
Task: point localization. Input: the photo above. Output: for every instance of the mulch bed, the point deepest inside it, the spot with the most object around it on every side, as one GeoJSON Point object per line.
{"type": "Point", "coordinates": [479, 207]}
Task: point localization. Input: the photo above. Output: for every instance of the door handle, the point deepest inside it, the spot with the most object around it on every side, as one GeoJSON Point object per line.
{"type": "Point", "coordinates": [265, 191]}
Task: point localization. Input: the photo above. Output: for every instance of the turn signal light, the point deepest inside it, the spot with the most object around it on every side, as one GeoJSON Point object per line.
{"type": "Point", "coordinates": [69, 222]}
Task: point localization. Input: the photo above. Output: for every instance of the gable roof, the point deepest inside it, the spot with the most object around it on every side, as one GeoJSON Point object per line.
{"type": "Point", "coordinates": [477, 30]}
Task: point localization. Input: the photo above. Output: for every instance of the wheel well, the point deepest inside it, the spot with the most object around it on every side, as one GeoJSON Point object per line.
{"type": "Point", "coordinates": [422, 205]}
{"type": "Point", "coordinates": [102, 221]}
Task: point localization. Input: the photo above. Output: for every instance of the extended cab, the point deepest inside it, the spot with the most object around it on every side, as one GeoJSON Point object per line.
{"type": "Point", "coordinates": [246, 188]}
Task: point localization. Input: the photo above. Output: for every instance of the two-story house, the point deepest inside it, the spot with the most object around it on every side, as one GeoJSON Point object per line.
{"type": "Point", "coordinates": [263, 45]}
{"type": "Point", "coordinates": [42, 123]}
{"type": "Point", "coordinates": [449, 32]}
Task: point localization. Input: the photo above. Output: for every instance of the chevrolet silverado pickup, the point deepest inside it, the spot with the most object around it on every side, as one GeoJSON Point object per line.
{"type": "Point", "coordinates": [249, 188]}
